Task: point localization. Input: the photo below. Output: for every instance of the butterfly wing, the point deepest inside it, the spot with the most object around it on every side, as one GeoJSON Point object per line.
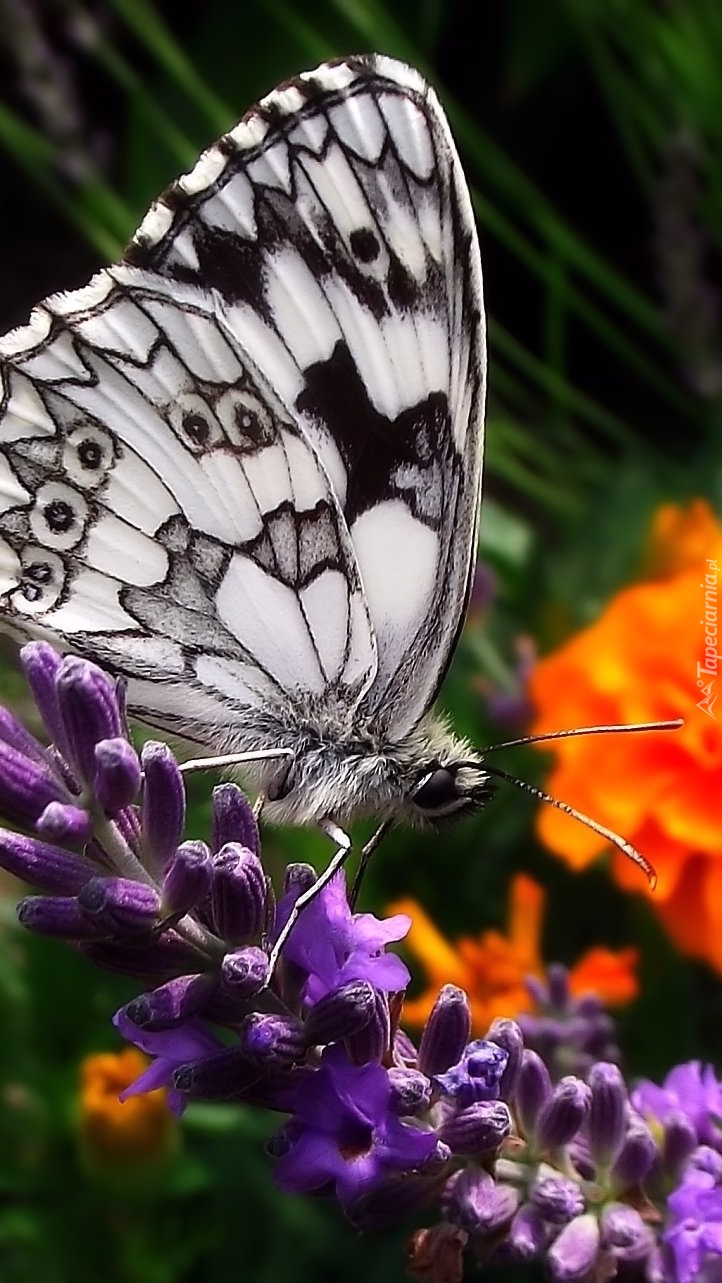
{"type": "Point", "coordinates": [161, 513]}
{"type": "Point", "coordinates": [233, 464]}
{"type": "Point", "coordinates": [334, 226]}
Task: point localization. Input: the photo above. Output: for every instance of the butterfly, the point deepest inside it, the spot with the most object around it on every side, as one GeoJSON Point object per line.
{"type": "Point", "coordinates": [241, 467]}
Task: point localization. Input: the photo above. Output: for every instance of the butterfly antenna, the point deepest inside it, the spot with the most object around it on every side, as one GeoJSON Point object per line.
{"type": "Point", "coordinates": [621, 843]}
{"type": "Point", "coordinates": [623, 727]}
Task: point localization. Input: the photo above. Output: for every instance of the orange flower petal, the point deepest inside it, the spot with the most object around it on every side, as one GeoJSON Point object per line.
{"type": "Point", "coordinates": [638, 662]}
{"type": "Point", "coordinates": [439, 958]}
{"type": "Point", "coordinates": [612, 976]}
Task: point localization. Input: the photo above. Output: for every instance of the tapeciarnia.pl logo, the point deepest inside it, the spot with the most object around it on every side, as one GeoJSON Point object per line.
{"type": "Point", "coordinates": [707, 672]}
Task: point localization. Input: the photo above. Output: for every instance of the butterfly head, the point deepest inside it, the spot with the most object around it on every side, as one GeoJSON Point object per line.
{"type": "Point", "coordinates": [444, 790]}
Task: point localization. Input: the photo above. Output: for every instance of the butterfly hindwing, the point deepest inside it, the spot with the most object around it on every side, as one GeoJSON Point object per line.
{"type": "Point", "coordinates": [334, 225]}
{"type": "Point", "coordinates": [162, 513]}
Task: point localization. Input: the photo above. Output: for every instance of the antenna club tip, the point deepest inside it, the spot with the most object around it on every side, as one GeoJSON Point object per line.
{"type": "Point", "coordinates": [652, 879]}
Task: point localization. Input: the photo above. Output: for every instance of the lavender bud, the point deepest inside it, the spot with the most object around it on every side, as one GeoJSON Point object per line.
{"type": "Point", "coordinates": [119, 905]}
{"type": "Point", "coordinates": [563, 1114]}
{"type": "Point", "coordinates": [218, 1077]}
{"type": "Point", "coordinates": [679, 1140]}
{"type": "Point", "coordinates": [44, 866]}
{"type": "Point", "coordinates": [390, 1201]}
{"type": "Point", "coordinates": [477, 1130]}
{"type": "Point", "coordinates": [56, 915]}
{"type": "Point", "coordinates": [89, 711]}
{"type": "Point", "coordinates": [533, 1091]}
{"type": "Point", "coordinates": [573, 1254]}
{"type": "Point", "coordinates": [13, 733]}
{"type": "Point", "coordinates": [233, 819]}
{"type": "Point", "coordinates": [160, 958]}
{"type": "Point", "coordinates": [635, 1158]}
{"type": "Point", "coordinates": [446, 1032]}
{"type": "Point", "coordinates": [507, 1035]}
{"type": "Point", "coordinates": [557, 1200]}
{"type": "Point", "coordinates": [608, 1113]}
{"type": "Point", "coordinates": [478, 1204]}
{"type": "Point", "coordinates": [187, 879]}
{"type": "Point", "coordinates": [299, 878]}
{"type": "Point", "coordinates": [273, 1041]}
{"type": "Point", "coordinates": [238, 894]}
{"type": "Point", "coordinates": [404, 1050]}
{"type": "Point", "coordinates": [371, 1041]}
{"type": "Point", "coordinates": [117, 775]}
{"type": "Point", "coordinates": [340, 1013]}
{"type": "Point", "coordinates": [410, 1091]}
{"type": "Point", "coordinates": [26, 787]}
{"type": "Point", "coordinates": [244, 972]}
{"type": "Point", "coordinates": [528, 1235]}
{"type": "Point", "coordinates": [164, 803]}
{"type": "Point", "coordinates": [538, 991]}
{"type": "Point", "coordinates": [625, 1234]}
{"type": "Point", "coordinates": [65, 824]}
{"type": "Point", "coordinates": [40, 664]}
{"type": "Point", "coordinates": [171, 1004]}
{"type": "Point", "coordinates": [558, 985]}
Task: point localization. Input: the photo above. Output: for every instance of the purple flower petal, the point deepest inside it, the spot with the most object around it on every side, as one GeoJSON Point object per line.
{"type": "Point", "coordinates": [335, 946]}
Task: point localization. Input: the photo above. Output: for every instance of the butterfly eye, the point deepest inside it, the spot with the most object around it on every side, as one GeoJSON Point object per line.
{"type": "Point", "coordinates": [437, 791]}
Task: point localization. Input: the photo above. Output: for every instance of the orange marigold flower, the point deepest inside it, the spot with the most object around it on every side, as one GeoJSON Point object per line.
{"type": "Point", "coordinates": [114, 1133]}
{"type": "Point", "coordinates": [647, 658]}
{"type": "Point", "coordinates": [493, 968]}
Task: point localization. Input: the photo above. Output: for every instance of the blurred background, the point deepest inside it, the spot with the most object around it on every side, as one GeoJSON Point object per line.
{"type": "Point", "coordinates": [591, 135]}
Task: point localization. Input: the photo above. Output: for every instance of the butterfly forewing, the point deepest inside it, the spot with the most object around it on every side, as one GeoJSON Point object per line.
{"type": "Point", "coordinates": [243, 466]}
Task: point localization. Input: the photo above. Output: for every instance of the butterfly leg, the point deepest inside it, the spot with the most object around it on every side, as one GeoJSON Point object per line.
{"type": "Point", "coordinates": [366, 853]}
{"type": "Point", "coordinates": [343, 850]}
{"type": "Point", "coordinates": [234, 759]}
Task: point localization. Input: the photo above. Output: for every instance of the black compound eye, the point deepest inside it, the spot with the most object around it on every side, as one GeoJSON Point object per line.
{"type": "Point", "coordinates": [438, 790]}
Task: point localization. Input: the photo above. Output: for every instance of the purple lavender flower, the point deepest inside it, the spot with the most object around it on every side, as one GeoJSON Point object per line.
{"type": "Point", "coordinates": [692, 1089]}
{"type": "Point", "coordinates": [570, 1033]}
{"type": "Point", "coordinates": [332, 945]}
{"type": "Point", "coordinates": [170, 1049]}
{"type": "Point", "coordinates": [344, 1132]}
{"type": "Point", "coordinates": [532, 1153]}
{"type": "Point", "coordinates": [477, 1075]}
{"type": "Point", "coordinates": [693, 1236]}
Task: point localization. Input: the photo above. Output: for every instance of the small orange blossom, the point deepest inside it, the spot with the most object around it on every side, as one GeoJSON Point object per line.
{"type": "Point", "coordinates": [639, 662]}
{"type": "Point", "coordinates": [493, 968]}
{"type": "Point", "coordinates": [136, 1131]}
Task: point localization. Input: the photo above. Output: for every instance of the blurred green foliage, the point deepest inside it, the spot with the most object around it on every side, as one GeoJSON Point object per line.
{"type": "Point", "coordinates": [591, 133]}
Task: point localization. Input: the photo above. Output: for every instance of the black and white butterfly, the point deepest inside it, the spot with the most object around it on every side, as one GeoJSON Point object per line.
{"type": "Point", "coordinates": [241, 467]}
